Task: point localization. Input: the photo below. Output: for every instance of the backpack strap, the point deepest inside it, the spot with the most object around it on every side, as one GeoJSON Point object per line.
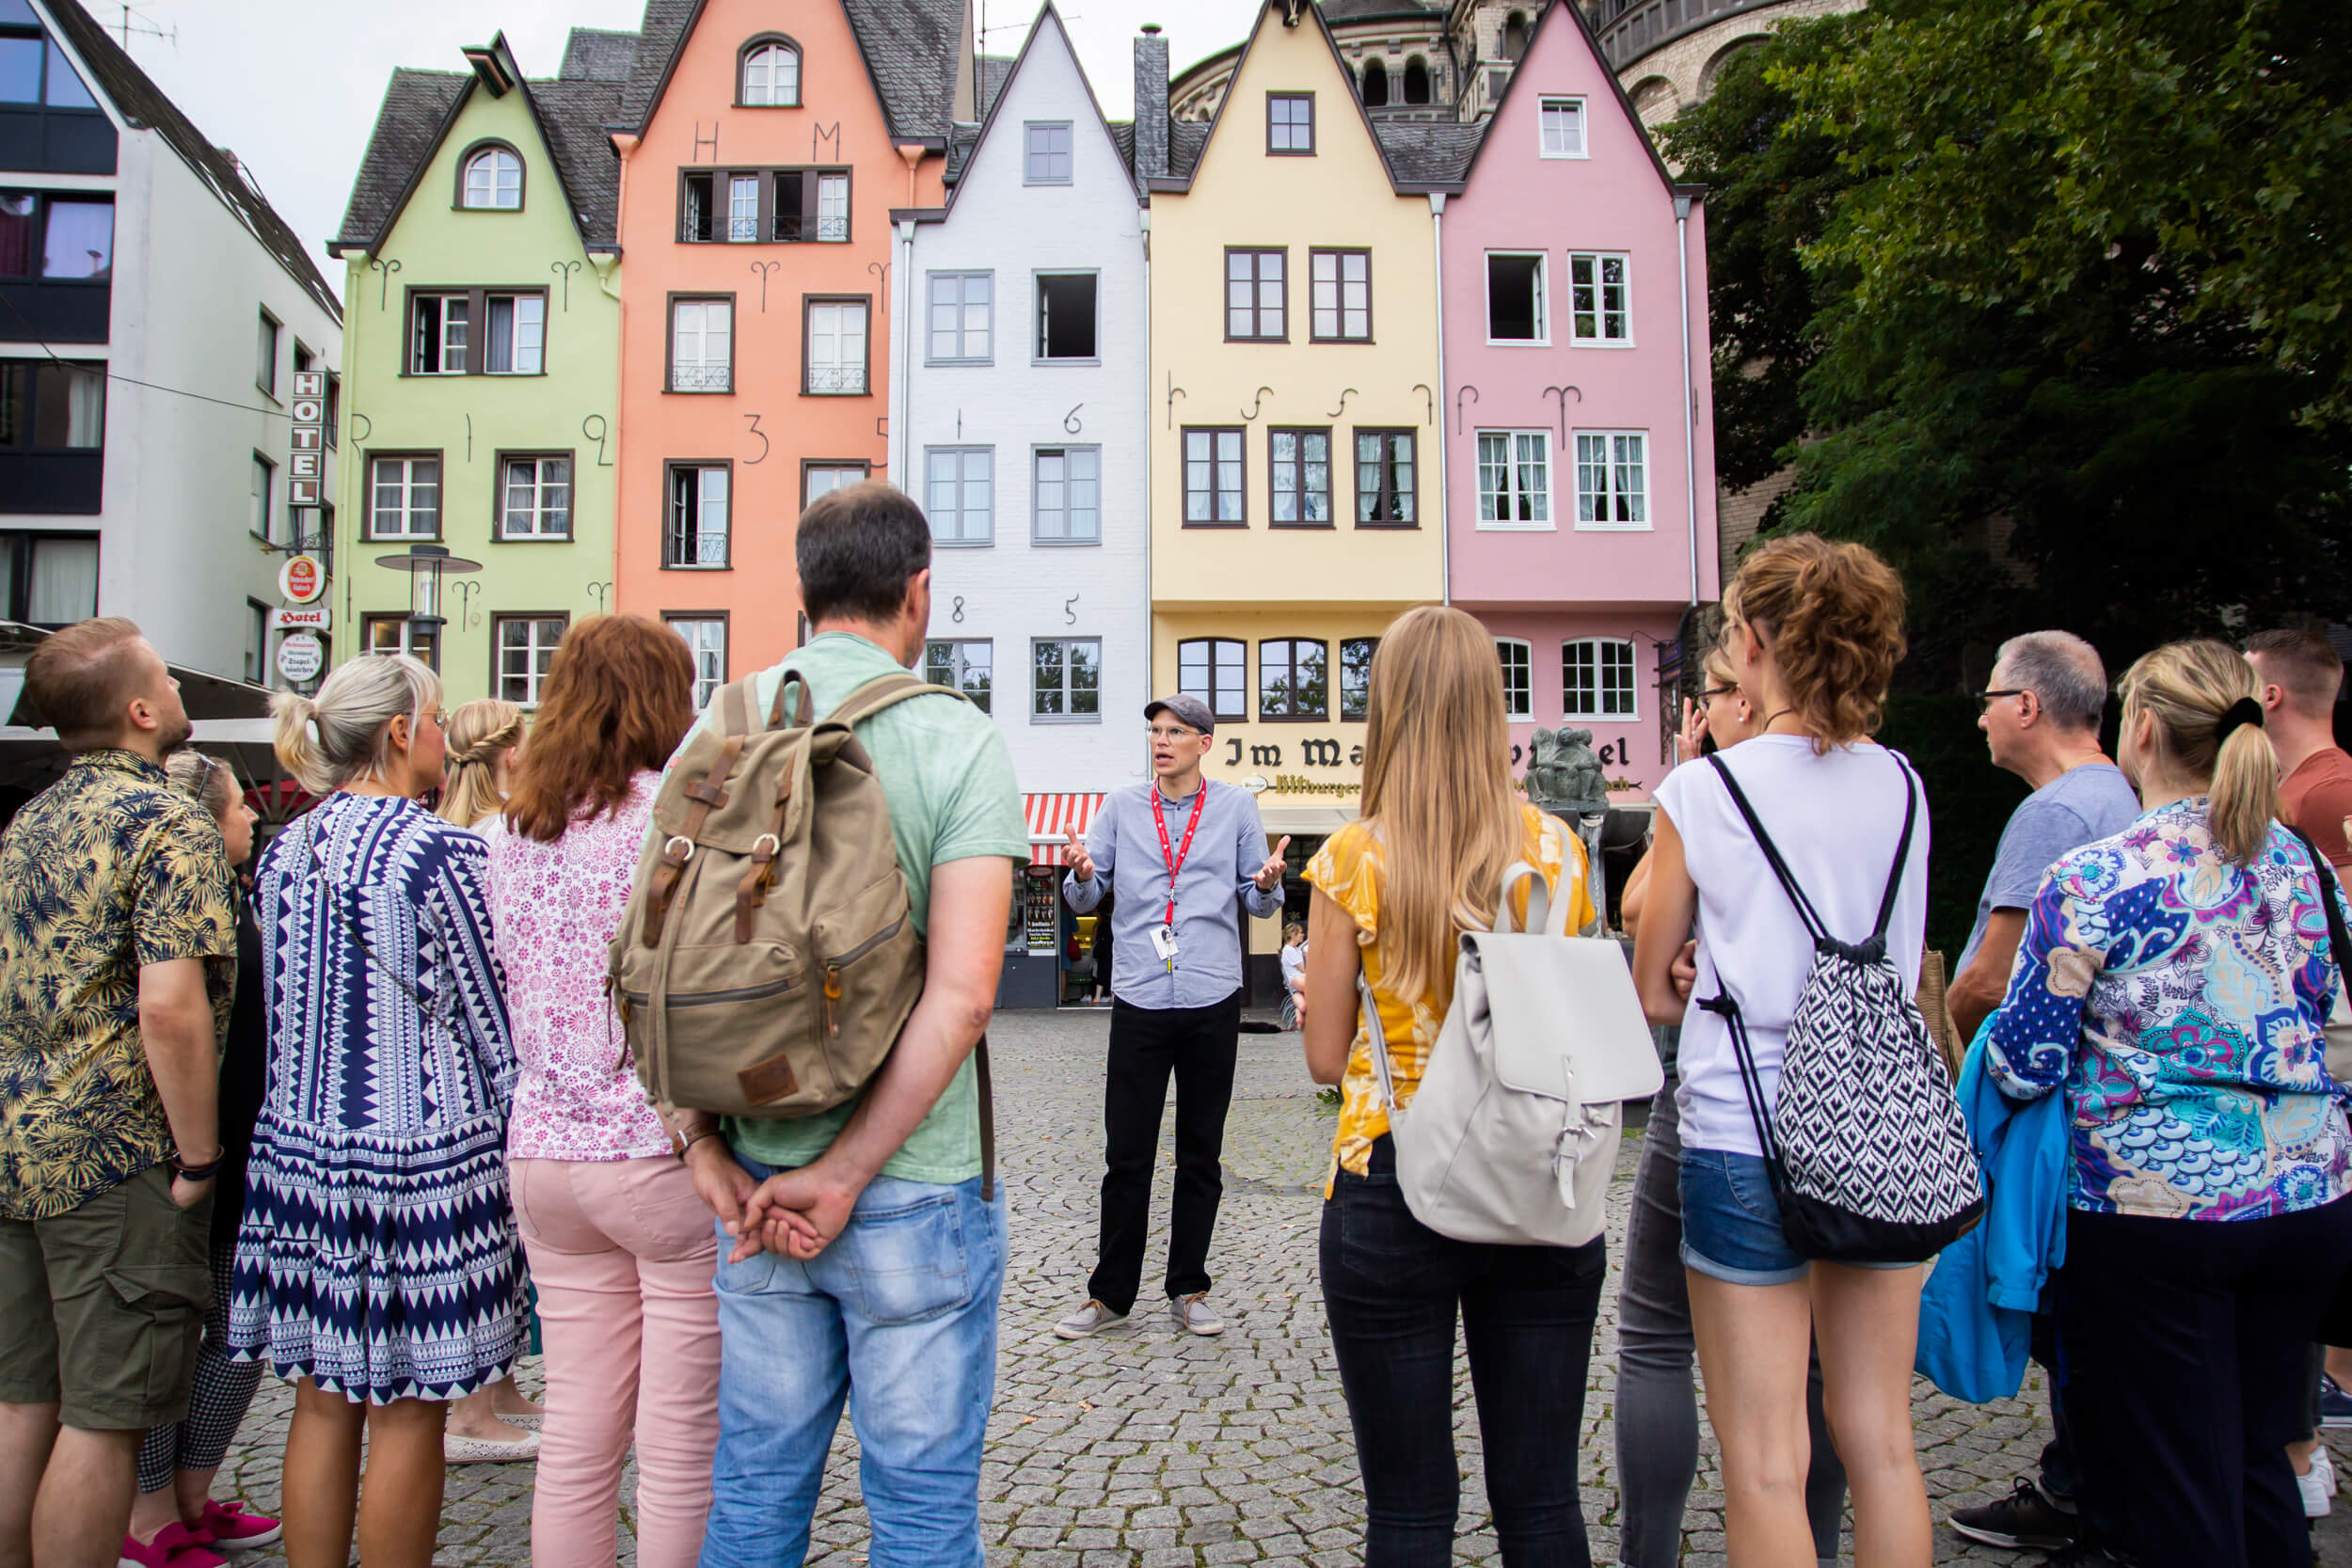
{"type": "Point", "coordinates": [703, 795]}
{"type": "Point", "coordinates": [1902, 851]}
{"type": "Point", "coordinates": [799, 714]}
{"type": "Point", "coordinates": [1813, 925]}
{"type": "Point", "coordinates": [885, 691]}
{"type": "Point", "coordinates": [988, 1126]}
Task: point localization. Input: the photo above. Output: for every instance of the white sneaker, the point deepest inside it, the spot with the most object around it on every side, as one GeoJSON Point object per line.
{"type": "Point", "coordinates": [2318, 1485]}
{"type": "Point", "coordinates": [1194, 1314]}
{"type": "Point", "coordinates": [456, 1450]}
{"type": "Point", "coordinates": [1089, 1319]}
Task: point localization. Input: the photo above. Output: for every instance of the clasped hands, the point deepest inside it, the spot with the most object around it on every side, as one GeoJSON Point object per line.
{"type": "Point", "coordinates": [794, 1214]}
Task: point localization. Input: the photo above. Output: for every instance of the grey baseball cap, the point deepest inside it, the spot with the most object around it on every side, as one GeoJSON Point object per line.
{"type": "Point", "coordinates": [1187, 708]}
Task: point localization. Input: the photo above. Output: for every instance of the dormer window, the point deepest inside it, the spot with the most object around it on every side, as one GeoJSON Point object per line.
{"type": "Point", "coordinates": [770, 75]}
{"type": "Point", "coordinates": [493, 180]}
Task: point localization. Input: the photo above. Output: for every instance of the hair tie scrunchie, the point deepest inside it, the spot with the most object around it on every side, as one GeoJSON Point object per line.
{"type": "Point", "coordinates": [2244, 711]}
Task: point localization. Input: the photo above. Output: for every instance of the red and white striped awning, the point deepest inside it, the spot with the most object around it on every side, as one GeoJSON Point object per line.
{"type": "Point", "coordinates": [1056, 820]}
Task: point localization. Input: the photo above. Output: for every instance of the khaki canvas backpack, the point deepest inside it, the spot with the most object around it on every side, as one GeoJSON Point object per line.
{"type": "Point", "coordinates": [767, 960]}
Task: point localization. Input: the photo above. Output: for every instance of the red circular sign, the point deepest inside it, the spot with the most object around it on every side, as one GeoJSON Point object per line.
{"type": "Point", "coordinates": [301, 578]}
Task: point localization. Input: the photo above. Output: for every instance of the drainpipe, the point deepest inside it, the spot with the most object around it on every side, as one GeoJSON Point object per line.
{"type": "Point", "coordinates": [901, 387]}
{"type": "Point", "coordinates": [1690, 393]}
{"type": "Point", "coordinates": [1445, 534]}
{"type": "Point", "coordinates": [1151, 620]}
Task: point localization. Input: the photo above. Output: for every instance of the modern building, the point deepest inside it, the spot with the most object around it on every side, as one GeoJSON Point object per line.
{"type": "Point", "coordinates": [1297, 399]}
{"type": "Point", "coordinates": [482, 361]}
{"type": "Point", "coordinates": [154, 310]}
{"type": "Point", "coordinates": [1581, 495]}
{"type": "Point", "coordinates": [1019, 422]}
{"type": "Point", "coordinates": [762, 152]}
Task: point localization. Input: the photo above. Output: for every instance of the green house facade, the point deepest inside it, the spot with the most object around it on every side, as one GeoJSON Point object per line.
{"type": "Point", "coordinates": [481, 346]}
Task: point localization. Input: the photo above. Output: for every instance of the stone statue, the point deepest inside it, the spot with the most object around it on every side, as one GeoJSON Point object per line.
{"type": "Point", "coordinates": [1563, 774]}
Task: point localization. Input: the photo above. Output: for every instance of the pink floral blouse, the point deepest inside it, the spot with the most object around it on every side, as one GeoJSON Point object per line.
{"type": "Point", "coordinates": [555, 908]}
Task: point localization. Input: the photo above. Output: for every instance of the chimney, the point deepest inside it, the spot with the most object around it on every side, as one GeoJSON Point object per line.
{"type": "Point", "coordinates": [1152, 104]}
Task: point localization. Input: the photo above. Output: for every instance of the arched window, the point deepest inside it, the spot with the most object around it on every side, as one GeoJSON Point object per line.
{"type": "Point", "coordinates": [1375, 83]}
{"type": "Point", "coordinates": [1514, 36]}
{"type": "Point", "coordinates": [771, 74]}
{"type": "Point", "coordinates": [1417, 80]}
{"type": "Point", "coordinates": [493, 178]}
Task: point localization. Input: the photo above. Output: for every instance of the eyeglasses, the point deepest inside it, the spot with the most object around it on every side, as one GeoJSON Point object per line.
{"type": "Point", "coordinates": [1172, 734]}
{"type": "Point", "coordinates": [1708, 693]}
{"type": "Point", "coordinates": [1986, 699]}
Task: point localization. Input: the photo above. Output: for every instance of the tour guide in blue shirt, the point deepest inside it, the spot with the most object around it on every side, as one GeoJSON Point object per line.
{"type": "Point", "coordinates": [1176, 980]}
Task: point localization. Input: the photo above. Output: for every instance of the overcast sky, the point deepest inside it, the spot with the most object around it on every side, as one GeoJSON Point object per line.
{"type": "Point", "coordinates": [292, 85]}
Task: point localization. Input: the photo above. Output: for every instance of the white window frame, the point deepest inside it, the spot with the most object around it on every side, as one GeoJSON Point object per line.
{"type": "Point", "coordinates": [492, 189]}
{"type": "Point", "coordinates": [1599, 289]}
{"type": "Point", "coordinates": [962, 293]}
{"type": "Point", "coordinates": [407, 510]}
{"type": "Point", "coordinates": [701, 501]}
{"type": "Point", "coordinates": [536, 516]}
{"type": "Point", "coordinates": [701, 374]}
{"type": "Point", "coordinates": [1545, 108]}
{"type": "Point", "coordinates": [710, 662]}
{"type": "Point", "coordinates": [971, 467]}
{"type": "Point", "coordinates": [833, 376]}
{"type": "Point", "coordinates": [1515, 460]}
{"type": "Point", "coordinates": [1068, 695]}
{"type": "Point", "coordinates": [835, 476]}
{"type": "Point", "coordinates": [776, 93]}
{"type": "Point", "coordinates": [1066, 485]}
{"type": "Point", "coordinates": [1613, 460]}
{"type": "Point", "coordinates": [441, 342]}
{"type": "Point", "coordinates": [1543, 298]}
{"type": "Point", "coordinates": [538, 650]}
{"type": "Point", "coordinates": [527, 332]}
{"type": "Point", "coordinates": [1032, 172]}
{"type": "Point", "coordinates": [1516, 656]}
{"type": "Point", "coordinates": [960, 665]}
{"type": "Point", "coordinates": [1606, 654]}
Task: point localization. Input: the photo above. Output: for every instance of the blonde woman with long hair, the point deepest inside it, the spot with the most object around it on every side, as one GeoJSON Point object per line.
{"type": "Point", "coordinates": [486, 736]}
{"type": "Point", "coordinates": [2173, 985]}
{"type": "Point", "coordinates": [1393, 893]}
{"type": "Point", "coordinates": [377, 1267]}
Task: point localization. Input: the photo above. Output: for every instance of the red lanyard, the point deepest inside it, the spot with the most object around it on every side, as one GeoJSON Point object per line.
{"type": "Point", "coordinates": [1174, 860]}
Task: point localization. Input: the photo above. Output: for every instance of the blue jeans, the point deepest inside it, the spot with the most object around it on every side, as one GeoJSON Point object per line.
{"type": "Point", "coordinates": [899, 1315]}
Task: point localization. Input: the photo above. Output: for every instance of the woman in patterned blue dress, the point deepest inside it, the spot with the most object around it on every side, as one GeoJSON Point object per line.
{"type": "Point", "coordinates": [378, 1265]}
{"type": "Point", "coordinates": [2172, 985]}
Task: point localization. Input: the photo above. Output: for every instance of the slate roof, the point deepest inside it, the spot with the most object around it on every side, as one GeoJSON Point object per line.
{"type": "Point", "coordinates": [139, 100]}
{"type": "Point", "coordinates": [407, 127]}
{"type": "Point", "coordinates": [572, 109]}
{"type": "Point", "coordinates": [595, 55]}
{"type": "Point", "coordinates": [1429, 152]}
{"type": "Point", "coordinates": [993, 69]}
{"type": "Point", "coordinates": [911, 48]}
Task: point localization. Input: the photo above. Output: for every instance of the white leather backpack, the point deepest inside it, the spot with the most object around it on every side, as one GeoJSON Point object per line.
{"type": "Point", "coordinates": [1512, 1135]}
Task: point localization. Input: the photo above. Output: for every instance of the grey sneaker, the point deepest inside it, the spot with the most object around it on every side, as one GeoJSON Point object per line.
{"type": "Point", "coordinates": [1089, 1319]}
{"type": "Point", "coordinates": [1194, 1314]}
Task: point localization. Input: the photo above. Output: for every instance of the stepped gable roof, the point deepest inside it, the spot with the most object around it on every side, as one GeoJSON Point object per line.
{"type": "Point", "coordinates": [1429, 152]}
{"type": "Point", "coordinates": [911, 49]}
{"type": "Point", "coordinates": [596, 54]}
{"type": "Point", "coordinates": [421, 107]}
{"type": "Point", "coordinates": [141, 102]}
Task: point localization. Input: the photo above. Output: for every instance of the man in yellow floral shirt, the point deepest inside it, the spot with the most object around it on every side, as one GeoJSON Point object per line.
{"type": "Point", "coordinates": [117, 955]}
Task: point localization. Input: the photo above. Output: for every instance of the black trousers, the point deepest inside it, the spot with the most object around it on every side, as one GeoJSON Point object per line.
{"type": "Point", "coordinates": [2183, 1348]}
{"type": "Point", "coordinates": [1393, 1290]}
{"type": "Point", "coordinates": [1197, 1045]}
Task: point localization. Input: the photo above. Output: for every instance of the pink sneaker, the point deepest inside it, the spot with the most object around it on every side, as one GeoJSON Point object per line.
{"type": "Point", "coordinates": [235, 1531]}
{"type": "Point", "coordinates": [174, 1544]}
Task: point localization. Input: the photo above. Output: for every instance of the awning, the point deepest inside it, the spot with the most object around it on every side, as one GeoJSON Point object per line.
{"type": "Point", "coordinates": [1057, 820]}
{"type": "Point", "coordinates": [1301, 820]}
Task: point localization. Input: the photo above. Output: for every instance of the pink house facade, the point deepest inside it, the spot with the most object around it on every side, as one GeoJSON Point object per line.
{"type": "Point", "coordinates": [1579, 425]}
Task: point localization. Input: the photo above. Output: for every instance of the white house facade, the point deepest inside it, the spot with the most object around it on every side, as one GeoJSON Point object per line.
{"type": "Point", "coordinates": [154, 313]}
{"type": "Point", "coordinates": [1021, 428]}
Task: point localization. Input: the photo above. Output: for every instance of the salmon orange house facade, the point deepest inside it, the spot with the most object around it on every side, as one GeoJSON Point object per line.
{"type": "Point", "coordinates": [762, 149]}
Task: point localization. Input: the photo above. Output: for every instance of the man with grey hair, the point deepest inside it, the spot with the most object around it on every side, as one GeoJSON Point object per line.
{"type": "Point", "coordinates": [2040, 721]}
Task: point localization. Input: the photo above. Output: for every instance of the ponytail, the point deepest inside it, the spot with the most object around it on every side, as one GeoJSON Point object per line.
{"type": "Point", "coordinates": [2202, 698]}
{"type": "Point", "coordinates": [339, 736]}
{"type": "Point", "coordinates": [296, 740]}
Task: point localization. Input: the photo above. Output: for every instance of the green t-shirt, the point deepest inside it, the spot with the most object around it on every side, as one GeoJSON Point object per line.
{"type": "Point", "coordinates": [948, 777]}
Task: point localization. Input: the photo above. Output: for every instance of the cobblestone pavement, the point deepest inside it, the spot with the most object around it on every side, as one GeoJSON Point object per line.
{"type": "Point", "coordinates": [1146, 1448]}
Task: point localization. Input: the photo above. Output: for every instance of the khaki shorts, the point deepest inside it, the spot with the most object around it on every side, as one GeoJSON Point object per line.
{"type": "Point", "coordinates": [101, 1308]}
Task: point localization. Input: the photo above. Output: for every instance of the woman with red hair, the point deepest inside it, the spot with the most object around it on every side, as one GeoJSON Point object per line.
{"type": "Point", "coordinates": [620, 1247]}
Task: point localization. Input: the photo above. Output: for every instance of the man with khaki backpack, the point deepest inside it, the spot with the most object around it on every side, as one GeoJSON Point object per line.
{"type": "Point", "coordinates": [863, 1241]}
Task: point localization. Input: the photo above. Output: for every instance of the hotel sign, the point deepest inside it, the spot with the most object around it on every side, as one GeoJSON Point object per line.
{"type": "Point", "coordinates": [305, 457]}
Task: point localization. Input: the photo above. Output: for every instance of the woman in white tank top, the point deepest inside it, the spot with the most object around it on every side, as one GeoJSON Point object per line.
{"type": "Point", "coordinates": [1813, 631]}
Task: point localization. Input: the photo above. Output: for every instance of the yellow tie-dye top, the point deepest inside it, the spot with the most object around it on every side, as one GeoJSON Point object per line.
{"type": "Point", "coordinates": [1349, 869]}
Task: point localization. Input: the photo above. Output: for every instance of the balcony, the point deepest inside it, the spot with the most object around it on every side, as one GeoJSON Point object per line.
{"type": "Point", "coordinates": [836, 380]}
{"type": "Point", "coordinates": [46, 139]}
{"type": "Point", "coordinates": [702, 378]}
{"type": "Point", "coordinates": [56, 310]}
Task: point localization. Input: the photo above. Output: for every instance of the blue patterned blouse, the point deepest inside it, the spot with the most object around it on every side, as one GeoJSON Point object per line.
{"type": "Point", "coordinates": [2179, 999]}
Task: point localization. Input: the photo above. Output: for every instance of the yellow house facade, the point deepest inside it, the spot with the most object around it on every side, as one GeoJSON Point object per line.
{"type": "Point", "coordinates": [1297, 498]}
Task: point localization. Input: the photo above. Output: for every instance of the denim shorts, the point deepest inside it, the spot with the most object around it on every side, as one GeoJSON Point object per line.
{"type": "Point", "coordinates": [1731, 1222]}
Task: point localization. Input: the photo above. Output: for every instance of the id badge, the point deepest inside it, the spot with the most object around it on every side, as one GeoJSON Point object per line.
{"type": "Point", "coordinates": [1164, 943]}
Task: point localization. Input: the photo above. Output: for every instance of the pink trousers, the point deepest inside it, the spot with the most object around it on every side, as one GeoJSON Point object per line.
{"type": "Point", "coordinates": [622, 1252]}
